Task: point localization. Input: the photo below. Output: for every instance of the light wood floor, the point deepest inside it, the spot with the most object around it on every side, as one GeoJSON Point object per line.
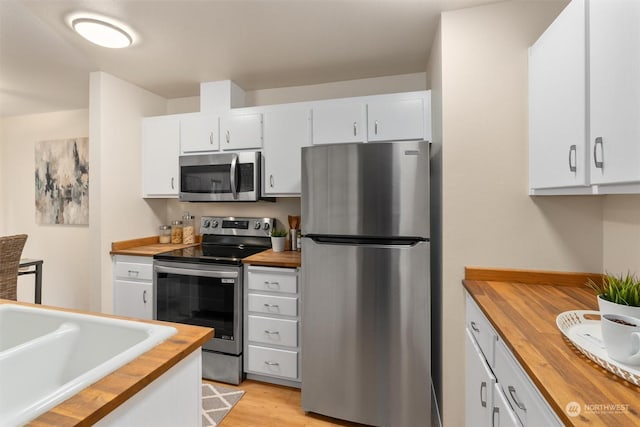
{"type": "Point", "coordinates": [269, 405]}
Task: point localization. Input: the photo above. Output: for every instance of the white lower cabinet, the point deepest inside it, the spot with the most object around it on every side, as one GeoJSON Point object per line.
{"type": "Point", "coordinates": [498, 391]}
{"type": "Point", "coordinates": [272, 325]}
{"type": "Point", "coordinates": [133, 286]}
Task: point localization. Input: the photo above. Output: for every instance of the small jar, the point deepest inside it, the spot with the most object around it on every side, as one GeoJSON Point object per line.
{"type": "Point", "coordinates": [176, 232]}
{"type": "Point", "coordinates": [165, 234]}
{"type": "Point", "coordinates": [188, 229]}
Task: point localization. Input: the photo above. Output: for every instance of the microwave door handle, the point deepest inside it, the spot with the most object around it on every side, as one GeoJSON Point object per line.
{"type": "Point", "coordinates": [234, 166]}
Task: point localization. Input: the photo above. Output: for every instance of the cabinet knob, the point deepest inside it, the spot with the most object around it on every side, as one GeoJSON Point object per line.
{"type": "Point", "coordinates": [355, 128]}
{"type": "Point", "coordinates": [144, 296]}
{"type": "Point", "coordinates": [271, 180]}
{"type": "Point", "coordinates": [228, 137]}
{"type": "Point", "coordinates": [268, 332]}
{"type": "Point", "coordinates": [269, 363]}
{"type": "Point", "coordinates": [483, 401]}
{"type": "Point", "coordinates": [172, 179]}
{"type": "Point", "coordinates": [496, 411]}
{"type": "Point", "coordinates": [211, 138]}
{"type": "Point", "coordinates": [474, 326]}
{"type": "Point", "coordinates": [375, 127]}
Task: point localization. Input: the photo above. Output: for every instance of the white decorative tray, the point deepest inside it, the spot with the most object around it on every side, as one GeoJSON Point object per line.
{"type": "Point", "coordinates": [585, 335]}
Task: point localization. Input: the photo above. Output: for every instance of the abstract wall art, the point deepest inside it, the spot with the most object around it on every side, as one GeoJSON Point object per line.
{"type": "Point", "coordinates": [62, 181]}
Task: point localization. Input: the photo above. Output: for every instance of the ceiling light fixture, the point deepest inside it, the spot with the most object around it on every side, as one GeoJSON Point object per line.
{"type": "Point", "coordinates": [102, 33]}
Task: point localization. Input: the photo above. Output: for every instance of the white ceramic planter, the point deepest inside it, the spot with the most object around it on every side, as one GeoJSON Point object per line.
{"type": "Point", "coordinates": [608, 307]}
{"type": "Point", "coordinates": [277, 243]}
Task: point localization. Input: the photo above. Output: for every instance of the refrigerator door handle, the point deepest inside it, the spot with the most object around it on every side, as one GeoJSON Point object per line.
{"type": "Point", "coordinates": [369, 242]}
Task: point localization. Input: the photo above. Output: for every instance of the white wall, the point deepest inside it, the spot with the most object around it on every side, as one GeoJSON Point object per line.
{"type": "Point", "coordinates": [64, 248]}
{"type": "Point", "coordinates": [117, 209]}
{"type": "Point", "coordinates": [488, 218]}
{"type": "Point", "coordinates": [622, 234]}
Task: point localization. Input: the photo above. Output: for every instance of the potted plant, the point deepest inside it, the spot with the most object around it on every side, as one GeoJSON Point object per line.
{"type": "Point", "coordinates": [618, 294]}
{"type": "Point", "coordinates": [278, 238]}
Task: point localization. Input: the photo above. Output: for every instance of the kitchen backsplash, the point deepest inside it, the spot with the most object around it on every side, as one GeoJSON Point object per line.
{"type": "Point", "coordinates": [280, 209]}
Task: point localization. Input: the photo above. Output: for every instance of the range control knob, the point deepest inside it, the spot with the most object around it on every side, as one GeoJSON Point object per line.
{"type": "Point", "coordinates": [257, 226]}
{"type": "Point", "coordinates": [206, 223]}
{"type": "Point", "coordinates": [266, 226]}
{"type": "Point", "coordinates": [214, 223]}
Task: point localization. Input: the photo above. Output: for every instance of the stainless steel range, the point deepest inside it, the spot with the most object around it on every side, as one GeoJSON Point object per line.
{"type": "Point", "coordinates": [203, 286]}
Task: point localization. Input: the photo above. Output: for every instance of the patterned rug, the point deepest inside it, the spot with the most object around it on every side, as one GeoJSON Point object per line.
{"type": "Point", "coordinates": [217, 401]}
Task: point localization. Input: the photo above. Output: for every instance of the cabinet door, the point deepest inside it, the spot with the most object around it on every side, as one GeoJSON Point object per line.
{"type": "Point", "coordinates": [199, 133]}
{"type": "Point", "coordinates": [479, 388]}
{"type": "Point", "coordinates": [133, 299]}
{"type": "Point", "coordinates": [339, 122]}
{"type": "Point", "coordinates": [286, 131]}
{"type": "Point", "coordinates": [557, 103]}
{"type": "Point", "coordinates": [395, 120]}
{"type": "Point", "coordinates": [614, 58]}
{"type": "Point", "coordinates": [241, 131]}
{"type": "Point", "coordinates": [160, 152]}
{"type": "Point", "coordinates": [501, 413]}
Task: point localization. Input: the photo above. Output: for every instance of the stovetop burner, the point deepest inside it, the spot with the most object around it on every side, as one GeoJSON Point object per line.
{"type": "Point", "coordinates": [225, 241]}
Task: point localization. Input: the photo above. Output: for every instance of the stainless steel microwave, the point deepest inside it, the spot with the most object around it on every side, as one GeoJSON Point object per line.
{"type": "Point", "coordinates": [220, 177]}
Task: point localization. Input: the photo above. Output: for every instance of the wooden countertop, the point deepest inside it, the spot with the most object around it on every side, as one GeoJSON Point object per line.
{"type": "Point", "coordinates": [146, 246]}
{"type": "Point", "coordinates": [269, 258]}
{"type": "Point", "coordinates": [99, 399]}
{"type": "Point", "coordinates": [522, 306]}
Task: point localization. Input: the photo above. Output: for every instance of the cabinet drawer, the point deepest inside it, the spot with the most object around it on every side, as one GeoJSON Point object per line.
{"type": "Point", "coordinates": [270, 361]}
{"type": "Point", "coordinates": [270, 304]}
{"type": "Point", "coordinates": [131, 270]}
{"type": "Point", "coordinates": [481, 330]}
{"type": "Point", "coordinates": [527, 403]}
{"type": "Point", "coordinates": [273, 331]}
{"type": "Point", "coordinates": [264, 280]}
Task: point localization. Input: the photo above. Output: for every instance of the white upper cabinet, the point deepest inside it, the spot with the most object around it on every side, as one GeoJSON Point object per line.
{"type": "Point", "coordinates": [199, 133]}
{"type": "Point", "coordinates": [160, 152]}
{"type": "Point", "coordinates": [584, 101]}
{"type": "Point", "coordinates": [614, 90]}
{"type": "Point", "coordinates": [240, 131]}
{"type": "Point", "coordinates": [396, 120]}
{"type": "Point", "coordinates": [335, 122]}
{"type": "Point", "coordinates": [286, 131]}
{"type": "Point", "coordinates": [557, 103]}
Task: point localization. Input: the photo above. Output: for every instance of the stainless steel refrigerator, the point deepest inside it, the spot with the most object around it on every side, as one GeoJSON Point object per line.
{"type": "Point", "coordinates": [365, 283]}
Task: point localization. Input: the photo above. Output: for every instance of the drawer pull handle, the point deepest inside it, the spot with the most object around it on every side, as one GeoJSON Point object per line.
{"type": "Point", "coordinates": [269, 363]}
{"type": "Point", "coordinates": [271, 305]}
{"type": "Point", "coordinates": [266, 331]}
{"type": "Point", "coordinates": [496, 410]}
{"type": "Point", "coordinates": [474, 326]}
{"type": "Point", "coordinates": [514, 396]}
{"type": "Point", "coordinates": [144, 296]}
{"type": "Point", "coordinates": [483, 401]}
{"type": "Point", "coordinates": [133, 273]}
{"type": "Point", "coordinates": [272, 284]}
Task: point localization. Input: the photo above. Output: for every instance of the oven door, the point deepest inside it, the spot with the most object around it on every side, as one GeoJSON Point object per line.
{"type": "Point", "coordinates": [202, 295]}
{"type": "Point", "coordinates": [220, 177]}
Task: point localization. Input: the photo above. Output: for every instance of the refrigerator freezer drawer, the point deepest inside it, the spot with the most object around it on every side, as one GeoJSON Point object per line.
{"type": "Point", "coordinates": [366, 327]}
{"type": "Point", "coordinates": [273, 362]}
{"type": "Point", "coordinates": [273, 331]}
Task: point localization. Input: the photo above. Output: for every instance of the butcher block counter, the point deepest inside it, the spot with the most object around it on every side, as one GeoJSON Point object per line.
{"type": "Point", "coordinates": [269, 258]}
{"type": "Point", "coordinates": [522, 306]}
{"type": "Point", "coordinates": [147, 246]}
{"type": "Point", "coordinates": [104, 396]}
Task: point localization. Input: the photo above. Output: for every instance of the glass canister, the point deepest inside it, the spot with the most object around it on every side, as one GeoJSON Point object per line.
{"type": "Point", "coordinates": [165, 234]}
{"type": "Point", "coordinates": [188, 229]}
{"type": "Point", "coordinates": [176, 231]}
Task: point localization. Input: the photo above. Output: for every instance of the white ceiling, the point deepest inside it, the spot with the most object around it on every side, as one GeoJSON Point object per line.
{"type": "Point", "coordinates": [258, 44]}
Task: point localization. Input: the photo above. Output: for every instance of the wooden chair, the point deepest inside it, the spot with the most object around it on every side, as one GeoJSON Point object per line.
{"type": "Point", "coordinates": [10, 253]}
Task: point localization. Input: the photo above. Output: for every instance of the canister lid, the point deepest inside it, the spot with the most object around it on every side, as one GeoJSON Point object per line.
{"type": "Point", "coordinates": [165, 227]}
{"type": "Point", "coordinates": [176, 222]}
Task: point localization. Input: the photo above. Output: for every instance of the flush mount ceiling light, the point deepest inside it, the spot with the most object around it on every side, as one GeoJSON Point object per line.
{"type": "Point", "coordinates": [102, 33]}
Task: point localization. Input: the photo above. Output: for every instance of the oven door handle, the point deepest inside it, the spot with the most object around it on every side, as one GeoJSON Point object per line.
{"type": "Point", "coordinates": [192, 272]}
{"type": "Point", "coordinates": [234, 185]}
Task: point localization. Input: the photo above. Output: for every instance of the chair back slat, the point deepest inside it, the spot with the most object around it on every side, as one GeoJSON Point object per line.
{"type": "Point", "coordinates": [10, 253]}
